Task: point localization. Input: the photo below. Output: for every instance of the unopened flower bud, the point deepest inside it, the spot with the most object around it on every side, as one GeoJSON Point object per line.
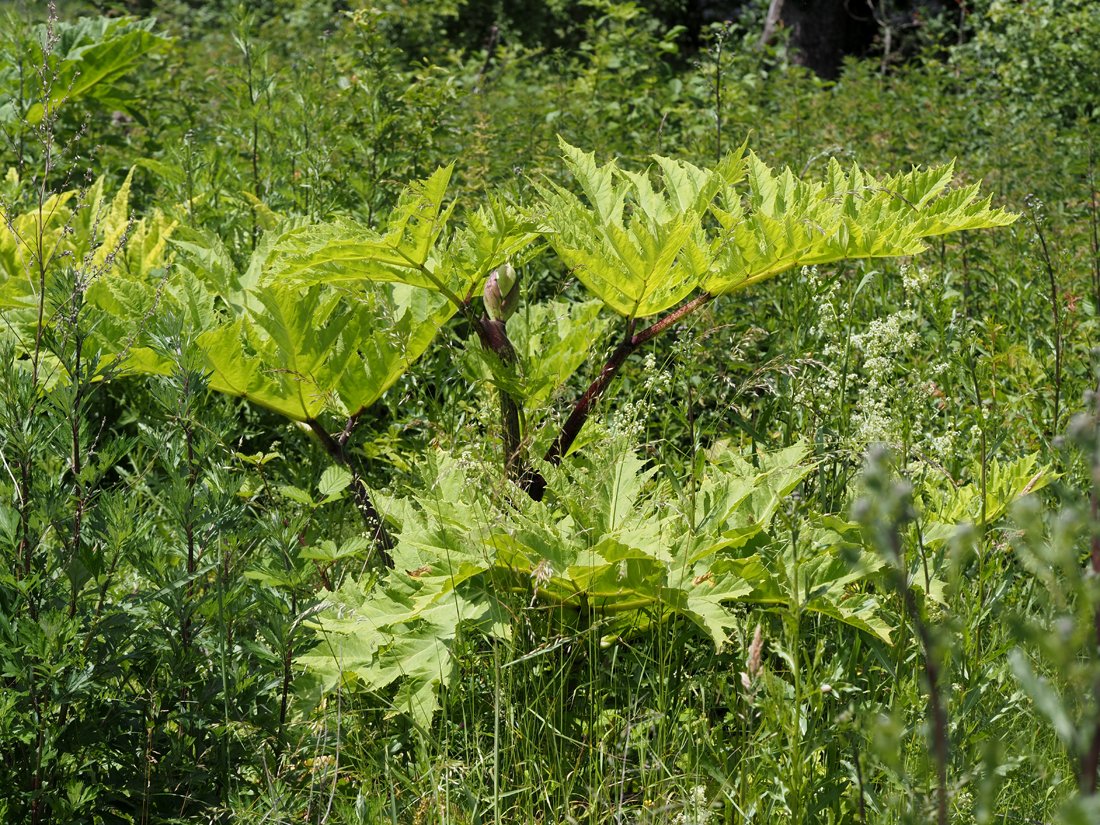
{"type": "Point", "coordinates": [502, 293]}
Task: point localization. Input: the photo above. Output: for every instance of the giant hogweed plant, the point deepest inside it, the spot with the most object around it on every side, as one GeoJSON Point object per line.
{"type": "Point", "coordinates": [630, 246]}
{"type": "Point", "coordinates": [617, 548]}
{"type": "Point", "coordinates": [325, 318]}
{"type": "Point", "coordinates": [644, 250]}
{"type": "Point", "coordinates": [645, 247]}
{"type": "Point", "coordinates": [315, 349]}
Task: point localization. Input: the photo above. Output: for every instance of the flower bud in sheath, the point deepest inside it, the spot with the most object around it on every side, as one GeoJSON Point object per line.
{"type": "Point", "coordinates": [502, 293]}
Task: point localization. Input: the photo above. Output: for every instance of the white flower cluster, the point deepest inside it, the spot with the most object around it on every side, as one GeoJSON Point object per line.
{"type": "Point", "coordinates": [629, 420]}
{"type": "Point", "coordinates": [942, 445]}
{"type": "Point", "coordinates": [696, 811]}
{"type": "Point", "coordinates": [883, 394]}
{"type": "Point", "coordinates": [687, 347]}
{"type": "Point", "coordinates": [657, 382]}
{"type": "Point", "coordinates": [871, 369]}
{"type": "Point", "coordinates": [914, 280]}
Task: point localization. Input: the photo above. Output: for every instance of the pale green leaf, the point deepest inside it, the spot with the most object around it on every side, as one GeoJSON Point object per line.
{"type": "Point", "coordinates": [645, 259]}
{"type": "Point", "coordinates": [334, 480]}
{"type": "Point", "coordinates": [783, 222]}
{"type": "Point", "coordinates": [89, 56]}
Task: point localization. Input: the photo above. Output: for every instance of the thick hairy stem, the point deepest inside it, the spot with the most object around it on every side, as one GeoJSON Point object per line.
{"type": "Point", "coordinates": [376, 527]}
{"type": "Point", "coordinates": [536, 485]}
{"type": "Point", "coordinates": [581, 410]}
{"type": "Point", "coordinates": [494, 338]}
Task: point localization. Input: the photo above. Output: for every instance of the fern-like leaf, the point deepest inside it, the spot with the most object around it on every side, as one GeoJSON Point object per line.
{"type": "Point", "coordinates": [783, 222]}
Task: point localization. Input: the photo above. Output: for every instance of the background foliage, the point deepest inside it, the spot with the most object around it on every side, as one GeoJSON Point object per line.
{"type": "Point", "coordinates": [733, 603]}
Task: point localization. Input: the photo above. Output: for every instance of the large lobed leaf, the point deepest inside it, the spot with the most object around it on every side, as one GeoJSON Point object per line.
{"type": "Point", "coordinates": [417, 247]}
{"type": "Point", "coordinates": [348, 252]}
{"type": "Point", "coordinates": [552, 339]}
{"type": "Point", "coordinates": [606, 543]}
{"type": "Point", "coordinates": [782, 221]}
{"type": "Point", "coordinates": [611, 544]}
{"type": "Point", "coordinates": [639, 248]}
{"type": "Point", "coordinates": [642, 248]}
{"type": "Point", "coordinates": [946, 506]}
{"type": "Point", "coordinates": [90, 238]}
{"type": "Point", "coordinates": [87, 59]}
{"type": "Point", "coordinates": [295, 350]}
{"type": "Point", "coordinates": [307, 350]}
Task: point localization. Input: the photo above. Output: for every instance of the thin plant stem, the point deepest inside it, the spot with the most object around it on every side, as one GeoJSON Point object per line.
{"type": "Point", "coordinates": [1091, 762]}
{"type": "Point", "coordinates": [936, 709]}
{"type": "Point", "coordinates": [720, 42]}
{"type": "Point", "coordinates": [794, 647]}
{"type": "Point", "coordinates": [1055, 308]}
{"type": "Point", "coordinates": [1094, 224]}
{"type": "Point", "coordinates": [376, 526]}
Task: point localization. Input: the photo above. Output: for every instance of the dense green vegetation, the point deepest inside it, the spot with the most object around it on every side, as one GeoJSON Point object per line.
{"type": "Point", "coordinates": [506, 413]}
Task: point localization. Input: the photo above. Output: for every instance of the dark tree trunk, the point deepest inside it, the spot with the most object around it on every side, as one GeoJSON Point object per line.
{"type": "Point", "coordinates": [823, 32]}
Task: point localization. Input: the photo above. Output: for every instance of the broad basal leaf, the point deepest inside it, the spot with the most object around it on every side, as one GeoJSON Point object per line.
{"type": "Point", "coordinates": [608, 544]}
{"type": "Point", "coordinates": [946, 507]}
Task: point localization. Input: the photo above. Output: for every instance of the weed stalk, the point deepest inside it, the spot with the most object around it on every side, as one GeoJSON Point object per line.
{"type": "Point", "coordinates": [1091, 760]}
{"type": "Point", "coordinates": [1036, 217]}
{"type": "Point", "coordinates": [1094, 225]}
{"type": "Point", "coordinates": [885, 510]}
